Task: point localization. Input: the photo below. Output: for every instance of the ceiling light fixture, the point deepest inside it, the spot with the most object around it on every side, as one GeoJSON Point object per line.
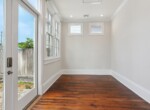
{"type": "Point", "coordinates": [71, 16]}
{"type": "Point", "coordinates": [86, 16]}
{"type": "Point", "coordinates": [102, 15]}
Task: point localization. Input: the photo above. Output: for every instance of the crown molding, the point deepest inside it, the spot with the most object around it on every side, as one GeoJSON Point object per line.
{"type": "Point", "coordinates": [54, 9]}
{"type": "Point", "coordinates": [87, 20]}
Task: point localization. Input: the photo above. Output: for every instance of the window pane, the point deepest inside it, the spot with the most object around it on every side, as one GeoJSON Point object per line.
{"type": "Point", "coordinates": [47, 45]}
{"type": "Point", "coordinates": [34, 3]}
{"type": "Point", "coordinates": [96, 29]}
{"type": "Point", "coordinates": [76, 29]}
{"type": "Point", "coordinates": [26, 51]}
{"type": "Point", "coordinates": [49, 34]}
{"type": "Point", "coordinates": [48, 22]}
{"type": "Point", "coordinates": [49, 17]}
{"type": "Point", "coordinates": [52, 28]}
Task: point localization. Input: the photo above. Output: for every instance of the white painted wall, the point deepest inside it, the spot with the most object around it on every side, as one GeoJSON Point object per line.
{"type": "Point", "coordinates": [126, 52]}
{"type": "Point", "coordinates": [51, 69]}
{"type": "Point", "coordinates": [130, 42]}
{"type": "Point", "coordinates": [86, 51]}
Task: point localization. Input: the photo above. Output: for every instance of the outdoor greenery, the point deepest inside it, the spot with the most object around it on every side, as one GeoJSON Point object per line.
{"type": "Point", "coordinates": [21, 84]}
{"type": "Point", "coordinates": [26, 85]}
{"type": "Point", "coordinates": [27, 44]}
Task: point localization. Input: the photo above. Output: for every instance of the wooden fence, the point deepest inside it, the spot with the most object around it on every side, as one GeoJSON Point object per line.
{"type": "Point", "coordinates": [25, 62]}
{"type": "Point", "coordinates": [1, 64]}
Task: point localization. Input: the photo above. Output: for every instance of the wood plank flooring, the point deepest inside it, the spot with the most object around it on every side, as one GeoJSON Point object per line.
{"type": "Point", "coordinates": [89, 93]}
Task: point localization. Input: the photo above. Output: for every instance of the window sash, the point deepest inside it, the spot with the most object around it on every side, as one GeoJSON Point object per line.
{"type": "Point", "coordinates": [75, 29]}
{"type": "Point", "coordinates": [96, 28]}
{"type": "Point", "coordinates": [53, 36]}
{"type": "Point", "coordinates": [52, 46]}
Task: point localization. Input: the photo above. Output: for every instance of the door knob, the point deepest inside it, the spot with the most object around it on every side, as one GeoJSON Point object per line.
{"type": "Point", "coordinates": [10, 72]}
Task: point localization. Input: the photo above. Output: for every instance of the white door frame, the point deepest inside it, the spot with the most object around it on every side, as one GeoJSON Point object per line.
{"type": "Point", "coordinates": [8, 79]}
{"type": "Point", "coordinates": [33, 93]}
{"type": "Point", "coordinates": [11, 33]}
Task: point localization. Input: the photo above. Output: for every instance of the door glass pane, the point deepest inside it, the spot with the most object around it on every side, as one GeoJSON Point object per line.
{"type": "Point", "coordinates": [34, 3]}
{"type": "Point", "coordinates": [1, 52]}
{"type": "Point", "coordinates": [26, 50]}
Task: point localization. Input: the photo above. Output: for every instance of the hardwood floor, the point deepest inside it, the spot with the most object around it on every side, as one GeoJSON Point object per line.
{"type": "Point", "coordinates": [89, 93]}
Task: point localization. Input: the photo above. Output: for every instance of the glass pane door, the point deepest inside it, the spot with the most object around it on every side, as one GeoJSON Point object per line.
{"type": "Point", "coordinates": [27, 54]}
{"type": "Point", "coordinates": [1, 53]}
{"type": "Point", "coordinates": [23, 50]}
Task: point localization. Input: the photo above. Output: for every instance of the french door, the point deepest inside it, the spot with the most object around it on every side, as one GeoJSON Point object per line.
{"type": "Point", "coordinates": [26, 52]}
{"type": "Point", "coordinates": [18, 55]}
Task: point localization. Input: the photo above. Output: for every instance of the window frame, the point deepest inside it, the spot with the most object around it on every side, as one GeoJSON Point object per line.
{"type": "Point", "coordinates": [101, 24]}
{"type": "Point", "coordinates": [55, 34]}
{"type": "Point", "coordinates": [48, 31]}
{"type": "Point", "coordinates": [36, 10]}
{"type": "Point", "coordinates": [75, 34]}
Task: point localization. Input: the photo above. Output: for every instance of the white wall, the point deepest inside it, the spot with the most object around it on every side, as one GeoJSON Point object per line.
{"type": "Point", "coordinates": [130, 42]}
{"type": "Point", "coordinates": [51, 69]}
{"type": "Point", "coordinates": [85, 52]}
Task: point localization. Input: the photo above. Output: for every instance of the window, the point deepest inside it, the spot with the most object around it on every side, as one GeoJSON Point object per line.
{"type": "Point", "coordinates": [75, 29]}
{"type": "Point", "coordinates": [52, 36]}
{"type": "Point", "coordinates": [48, 33]}
{"type": "Point", "coordinates": [34, 3]}
{"type": "Point", "coordinates": [96, 28]}
{"type": "Point", "coordinates": [57, 33]}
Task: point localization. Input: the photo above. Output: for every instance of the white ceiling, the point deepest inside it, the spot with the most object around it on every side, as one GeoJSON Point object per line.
{"type": "Point", "coordinates": [77, 9]}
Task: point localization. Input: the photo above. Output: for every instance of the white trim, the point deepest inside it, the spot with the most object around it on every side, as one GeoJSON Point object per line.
{"type": "Point", "coordinates": [51, 60]}
{"type": "Point", "coordinates": [119, 9]}
{"type": "Point", "coordinates": [9, 7]}
{"type": "Point", "coordinates": [137, 89]}
{"type": "Point", "coordinates": [50, 81]}
{"type": "Point", "coordinates": [40, 46]}
{"type": "Point", "coordinates": [68, 20]}
{"type": "Point", "coordinates": [86, 72]}
{"type": "Point", "coordinates": [32, 7]}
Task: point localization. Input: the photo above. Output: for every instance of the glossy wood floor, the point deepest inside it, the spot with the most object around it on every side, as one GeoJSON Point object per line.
{"type": "Point", "coordinates": [89, 93]}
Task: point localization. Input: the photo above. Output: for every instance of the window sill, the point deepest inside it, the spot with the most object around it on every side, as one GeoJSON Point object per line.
{"type": "Point", "coordinates": [51, 60]}
{"type": "Point", "coordinates": [96, 34]}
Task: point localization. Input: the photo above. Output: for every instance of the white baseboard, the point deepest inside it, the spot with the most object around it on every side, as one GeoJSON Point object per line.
{"type": "Point", "coordinates": [50, 81]}
{"type": "Point", "coordinates": [85, 72]}
{"type": "Point", "coordinates": [137, 89]}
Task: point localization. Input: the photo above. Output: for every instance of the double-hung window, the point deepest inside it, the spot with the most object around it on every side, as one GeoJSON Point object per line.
{"type": "Point", "coordinates": [96, 28]}
{"type": "Point", "coordinates": [75, 29]}
{"type": "Point", "coordinates": [52, 37]}
{"type": "Point", "coordinates": [48, 34]}
{"type": "Point", "coordinates": [57, 39]}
